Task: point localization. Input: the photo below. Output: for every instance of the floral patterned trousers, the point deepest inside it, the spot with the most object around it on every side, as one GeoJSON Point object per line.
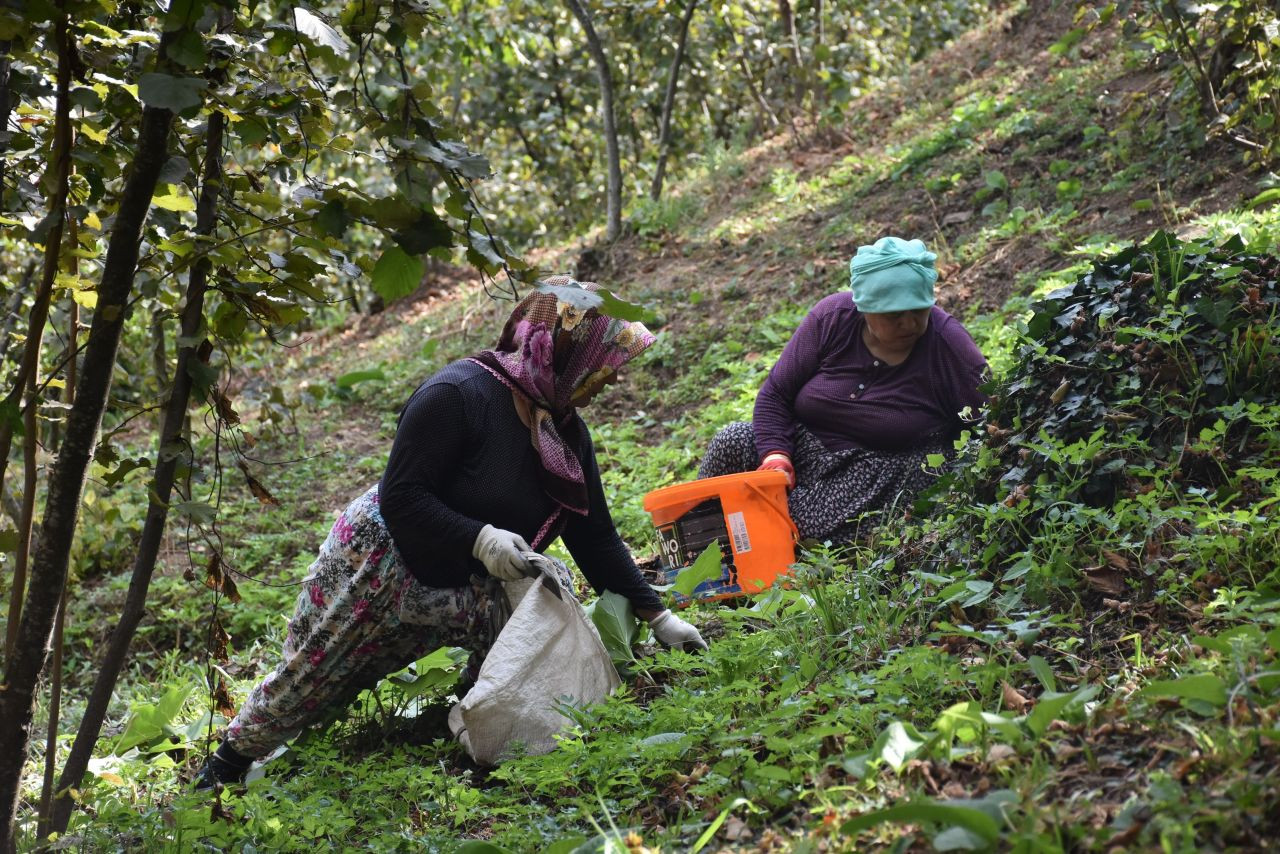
{"type": "Point", "coordinates": [361, 615]}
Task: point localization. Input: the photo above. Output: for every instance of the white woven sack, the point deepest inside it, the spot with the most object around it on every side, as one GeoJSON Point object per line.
{"type": "Point", "coordinates": [547, 653]}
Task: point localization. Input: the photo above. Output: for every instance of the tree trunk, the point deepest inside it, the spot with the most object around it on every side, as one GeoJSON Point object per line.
{"type": "Point", "coordinates": [59, 623]}
{"type": "Point", "coordinates": [60, 167]}
{"type": "Point", "coordinates": [160, 492]}
{"type": "Point", "coordinates": [67, 477]}
{"type": "Point", "coordinates": [787, 16]}
{"type": "Point", "coordinates": [819, 41]}
{"type": "Point", "coordinates": [613, 228]}
{"type": "Point", "coordinates": [6, 107]}
{"type": "Point", "coordinates": [766, 112]}
{"type": "Point", "coordinates": [669, 102]}
{"type": "Point", "coordinates": [159, 349]}
{"type": "Point", "coordinates": [30, 442]}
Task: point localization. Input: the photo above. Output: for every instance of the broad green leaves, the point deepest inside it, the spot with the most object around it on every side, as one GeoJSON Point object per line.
{"type": "Point", "coordinates": [705, 568]}
{"type": "Point", "coordinates": [600, 299]}
{"type": "Point", "coordinates": [351, 378]}
{"type": "Point", "coordinates": [1205, 689]}
{"type": "Point", "coordinates": [396, 274]}
{"type": "Point", "coordinates": [615, 619]}
{"type": "Point", "coordinates": [174, 198]}
{"type": "Point", "coordinates": [314, 28]}
{"type": "Point", "coordinates": [983, 829]}
{"type": "Point", "coordinates": [151, 724]}
{"type": "Point", "coordinates": [166, 92]}
{"type": "Point", "coordinates": [439, 669]}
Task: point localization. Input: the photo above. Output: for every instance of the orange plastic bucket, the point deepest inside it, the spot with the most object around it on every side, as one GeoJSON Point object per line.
{"type": "Point", "coordinates": [746, 513]}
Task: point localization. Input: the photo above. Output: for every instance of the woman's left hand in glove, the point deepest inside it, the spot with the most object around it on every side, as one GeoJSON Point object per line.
{"type": "Point", "coordinates": [671, 631]}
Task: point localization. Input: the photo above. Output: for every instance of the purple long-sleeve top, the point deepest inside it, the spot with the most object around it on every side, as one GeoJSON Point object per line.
{"type": "Point", "coordinates": [827, 380]}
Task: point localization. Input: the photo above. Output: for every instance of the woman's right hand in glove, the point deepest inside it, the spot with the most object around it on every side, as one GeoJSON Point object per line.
{"type": "Point", "coordinates": [499, 551]}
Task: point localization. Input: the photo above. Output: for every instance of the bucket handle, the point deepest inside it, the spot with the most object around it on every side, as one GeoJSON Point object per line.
{"type": "Point", "coordinates": [795, 532]}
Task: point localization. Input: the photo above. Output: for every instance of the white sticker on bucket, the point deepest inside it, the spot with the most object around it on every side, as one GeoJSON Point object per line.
{"type": "Point", "coordinates": [738, 529]}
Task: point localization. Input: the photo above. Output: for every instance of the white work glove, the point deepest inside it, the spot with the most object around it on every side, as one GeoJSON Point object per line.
{"type": "Point", "coordinates": [671, 631]}
{"type": "Point", "coordinates": [499, 551]}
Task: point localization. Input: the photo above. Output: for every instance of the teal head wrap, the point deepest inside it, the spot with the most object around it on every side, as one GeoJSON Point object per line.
{"type": "Point", "coordinates": [892, 275]}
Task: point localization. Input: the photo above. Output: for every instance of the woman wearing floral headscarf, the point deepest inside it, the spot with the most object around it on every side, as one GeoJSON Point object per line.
{"type": "Point", "coordinates": [490, 463]}
{"type": "Point", "coordinates": [866, 389]}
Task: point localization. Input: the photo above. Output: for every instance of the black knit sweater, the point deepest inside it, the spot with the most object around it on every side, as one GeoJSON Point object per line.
{"type": "Point", "coordinates": [463, 459]}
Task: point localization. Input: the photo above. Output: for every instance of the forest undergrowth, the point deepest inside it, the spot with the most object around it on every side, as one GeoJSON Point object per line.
{"type": "Point", "coordinates": [1071, 643]}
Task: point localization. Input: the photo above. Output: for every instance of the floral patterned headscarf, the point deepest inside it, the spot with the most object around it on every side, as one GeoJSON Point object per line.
{"type": "Point", "coordinates": [548, 350]}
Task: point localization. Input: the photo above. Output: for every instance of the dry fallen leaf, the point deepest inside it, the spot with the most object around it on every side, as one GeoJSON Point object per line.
{"type": "Point", "coordinates": [999, 753]}
{"type": "Point", "coordinates": [736, 830]}
{"type": "Point", "coordinates": [1104, 579]}
{"type": "Point", "coordinates": [1116, 561]}
{"type": "Point", "coordinates": [1013, 699]}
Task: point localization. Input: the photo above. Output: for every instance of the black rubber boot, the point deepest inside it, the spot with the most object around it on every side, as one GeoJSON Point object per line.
{"type": "Point", "coordinates": [223, 767]}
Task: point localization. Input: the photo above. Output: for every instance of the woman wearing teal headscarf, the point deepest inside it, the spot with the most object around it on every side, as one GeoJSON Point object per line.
{"type": "Point", "coordinates": [870, 385]}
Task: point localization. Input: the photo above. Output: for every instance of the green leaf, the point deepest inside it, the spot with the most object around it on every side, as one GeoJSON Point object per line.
{"type": "Point", "coordinates": [1043, 672]}
{"type": "Point", "coordinates": [252, 130]}
{"type": "Point", "coordinates": [174, 198]}
{"type": "Point", "coordinates": [458, 158]}
{"type": "Point", "coordinates": [393, 212]}
{"type": "Point", "coordinates": [615, 619]}
{"type": "Point", "coordinates": [332, 219]}
{"type": "Point", "coordinates": [149, 723]}
{"type": "Point", "coordinates": [436, 670]}
{"type": "Point", "coordinates": [1051, 705]}
{"type": "Point", "coordinates": [396, 274]}
{"type": "Point", "coordinates": [1266, 197]}
{"type": "Point", "coordinates": [117, 474]}
{"type": "Point", "coordinates": [487, 249]}
{"type": "Point", "coordinates": [661, 738]}
{"type": "Point", "coordinates": [8, 541]}
{"type": "Point", "coordinates": [479, 846]}
{"type": "Point", "coordinates": [429, 348]}
{"type": "Point", "coordinates": [567, 845]}
{"type": "Point", "coordinates": [898, 743]}
{"type": "Point", "coordinates": [427, 233]}
{"type": "Point", "coordinates": [188, 50]}
{"type": "Point", "coordinates": [995, 180]}
{"type": "Point", "coordinates": [349, 379]}
{"type": "Point", "coordinates": [612, 306]}
{"type": "Point", "coordinates": [1201, 686]}
{"type": "Point", "coordinates": [314, 28]}
{"type": "Point", "coordinates": [710, 832]}
{"type": "Point", "coordinates": [980, 591]}
{"type": "Point", "coordinates": [166, 92]}
{"type": "Point", "coordinates": [973, 820]}
{"type": "Point", "coordinates": [182, 13]}
{"type": "Point", "coordinates": [575, 295]}
{"type": "Point", "coordinates": [203, 376]}
{"type": "Point", "coordinates": [705, 568]}
{"type": "Point", "coordinates": [1070, 40]}
{"type": "Point", "coordinates": [174, 170]}
{"type": "Point", "coordinates": [197, 511]}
